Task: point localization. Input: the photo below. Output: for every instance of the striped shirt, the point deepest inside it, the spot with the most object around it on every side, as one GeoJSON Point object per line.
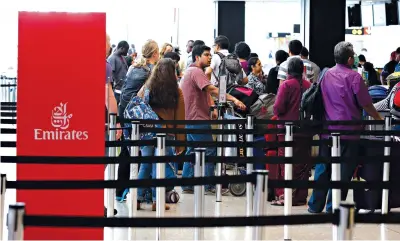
{"type": "Point", "coordinates": [283, 69]}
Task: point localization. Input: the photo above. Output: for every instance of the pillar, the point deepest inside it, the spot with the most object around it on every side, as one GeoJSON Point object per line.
{"type": "Point", "coordinates": [230, 21]}
{"type": "Point", "coordinates": [323, 26]}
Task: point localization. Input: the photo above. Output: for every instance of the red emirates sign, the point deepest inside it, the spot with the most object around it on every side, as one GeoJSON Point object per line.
{"type": "Point", "coordinates": [61, 101]}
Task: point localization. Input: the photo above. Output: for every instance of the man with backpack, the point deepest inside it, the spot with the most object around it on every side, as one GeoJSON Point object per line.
{"type": "Point", "coordinates": [344, 96]}
{"type": "Point", "coordinates": [197, 89]}
{"type": "Point", "coordinates": [234, 72]}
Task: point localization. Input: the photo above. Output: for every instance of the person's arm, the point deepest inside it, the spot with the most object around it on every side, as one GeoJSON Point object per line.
{"type": "Point", "coordinates": [209, 71]}
{"type": "Point", "coordinates": [370, 109]}
{"type": "Point", "coordinates": [363, 97]}
{"type": "Point", "coordinates": [111, 102]}
{"type": "Point", "coordinates": [245, 78]}
{"type": "Point", "coordinates": [215, 62]}
{"type": "Point", "coordinates": [112, 107]}
{"type": "Point", "coordinates": [280, 101]}
{"type": "Point", "coordinates": [214, 91]}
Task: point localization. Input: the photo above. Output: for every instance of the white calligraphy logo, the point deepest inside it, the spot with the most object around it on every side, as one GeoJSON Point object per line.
{"type": "Point", "coordinates": [59, 117]}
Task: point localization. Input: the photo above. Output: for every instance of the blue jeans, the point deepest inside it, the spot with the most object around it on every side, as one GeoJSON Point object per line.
{"type": "Point", "coordinates": [117, 97]}
{"type": "Point", "coordinates": [188, 168]}
{"type": "Point", "coordinates": [147, 171]}
{"type": "Point", "coordinates": [323, 174]}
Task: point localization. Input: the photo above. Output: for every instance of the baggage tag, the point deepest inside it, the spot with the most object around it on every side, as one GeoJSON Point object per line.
{"type": "Point", "coordinates": [222, 89]}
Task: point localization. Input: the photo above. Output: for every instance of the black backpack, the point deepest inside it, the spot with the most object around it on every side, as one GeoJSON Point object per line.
{"type": "Point", "coordinates": [312, 104]}
{"type": "Point", "coordinates": [231, 67]}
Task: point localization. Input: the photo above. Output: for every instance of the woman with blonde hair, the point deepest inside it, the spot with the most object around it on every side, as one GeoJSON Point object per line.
{"type": "Point", "coordinates": [137, 75]}
{"type": "Point", "coordinates": [166, 48]}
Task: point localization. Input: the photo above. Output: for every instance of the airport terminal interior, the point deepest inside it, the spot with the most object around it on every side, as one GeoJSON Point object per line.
{"type": "Point", "coordinates": [266, 27]}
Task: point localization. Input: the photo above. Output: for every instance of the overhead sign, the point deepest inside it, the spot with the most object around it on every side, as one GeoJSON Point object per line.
{"type": "Point", "coordinates": [359, 31]}
{"type": "Point", "coordinates": [61, 104]}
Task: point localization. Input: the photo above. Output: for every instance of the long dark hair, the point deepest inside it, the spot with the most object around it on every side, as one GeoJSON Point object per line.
{"type": "Point", "coordinates": [163, 85]}
{"type": "Point", "coordinates": [296, 69]}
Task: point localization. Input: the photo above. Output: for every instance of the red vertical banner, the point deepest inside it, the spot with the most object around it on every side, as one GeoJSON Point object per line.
{"type": "Point", "coordinates": [61, 99]}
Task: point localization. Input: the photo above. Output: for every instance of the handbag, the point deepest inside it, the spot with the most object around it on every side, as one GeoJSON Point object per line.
{"type": "Point", "coordinates": [139, 109]}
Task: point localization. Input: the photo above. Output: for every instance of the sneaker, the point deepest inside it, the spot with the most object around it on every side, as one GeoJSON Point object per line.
{"type": "Point", "coordinates": [105, 212]}
{"type": "Point", "coordinates": [154, 207]}
{"type": "Point", "coordinates": [209, 191]}
{"type": "Point", "coordinates": [312, 211]}
{"type": "Point", "coordinates": [188, 191]}
{"type": "Point", "coordinates": [122, 198]}
{"type": "Point", "coordinates": [212, 191]}
{"type": "Point", "coordinates": [225, 191]}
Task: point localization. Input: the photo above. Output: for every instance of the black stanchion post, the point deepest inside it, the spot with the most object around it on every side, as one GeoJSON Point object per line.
{"type": "Point", "coordinates": [346, 221]}
{"type": "Point", "coordinates": [249, 166]}
{"type": "Point", "coordinates": [199, 191]}
{"type": "Point", "coordinates": [288, 176]}
{"type": "Point", "coordinates": [335, 177]}
{"type": "Point", "coordinates": [3, 182]}
{"type": "Point", "coordinates": [111, 167]}
{"type": "Point", "coordinates": [260, 198]}
{"type": "Point", "coordinates": [132, 202]}
{"type": "Point", "coordinates": [160, 191]}
{"type": "Point", "coordinates": [15, 221]}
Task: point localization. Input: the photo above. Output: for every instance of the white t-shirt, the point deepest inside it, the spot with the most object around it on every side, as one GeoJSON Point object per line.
{"type": "Point", "coordinates": [215, 63]}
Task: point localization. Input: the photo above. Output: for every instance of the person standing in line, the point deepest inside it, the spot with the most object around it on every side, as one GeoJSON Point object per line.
{"type": "Point", "coordinates": [286, 107]}
{"type": "Point", "coordinates": [182, 62]}
{"type": "Point", "coordinates": [166, 100]}
{"type": "Point", "coordinates": [196, 91]}
{"type": "Point", "coordinates": [272, 79]}
{"type": "Point", "coordinates": [136, 77]}
{"type": "Point", "coordinates": [111, 103]}
{"type": "Point", "coordinates": [295, 47]}
{"type": "Point", "coordinates": [304, 55]}
{"type": "Point", "coordinates": [389, 67]}
{"type": "Point", "coordinates": [221, 49]}
{"type": "Point", "coordinates": [166, 48]}
{"type": "Point", "coordinates": [119, 67]}
{"type": "Point", "coordinates": [256, 80]}
{"type": "Point", "coordinates": [189, 60]}
{"type": "Point", "coordinates": [345, 95]}
{"type": "Point", "coordinates": [243, 51]}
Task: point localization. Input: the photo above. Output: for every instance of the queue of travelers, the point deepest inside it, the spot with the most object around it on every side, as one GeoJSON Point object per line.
{"type": "Point", "coordinates": [175, 88]}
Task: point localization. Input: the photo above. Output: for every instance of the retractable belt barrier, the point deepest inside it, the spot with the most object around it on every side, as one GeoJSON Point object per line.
{"type": "Point", "coordinates": [8, 88]}
{"type": "Point", "coordinates": [342, 219]}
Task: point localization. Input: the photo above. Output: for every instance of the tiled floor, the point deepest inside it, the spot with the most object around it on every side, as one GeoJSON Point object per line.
{"type": "Point", "coordinates": [231, 206]}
